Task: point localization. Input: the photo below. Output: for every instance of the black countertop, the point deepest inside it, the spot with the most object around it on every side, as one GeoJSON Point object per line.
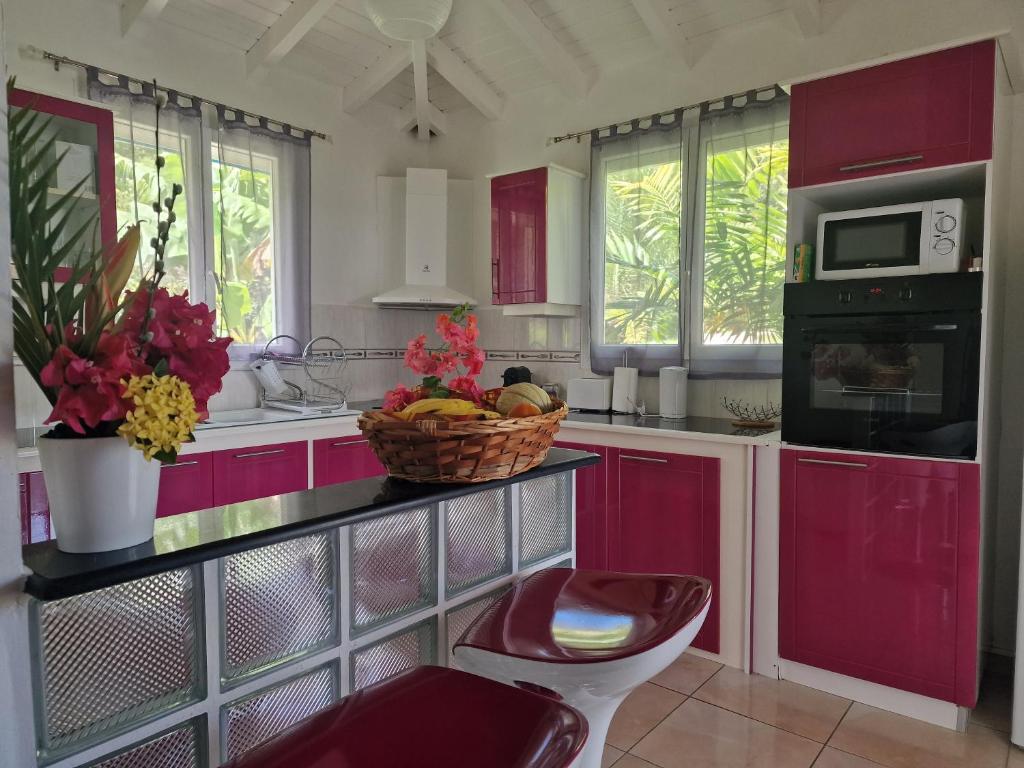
{"type": "Point", "coordinates": [195, 537]}
{"type": "Point", "coordinates": [700, 424]}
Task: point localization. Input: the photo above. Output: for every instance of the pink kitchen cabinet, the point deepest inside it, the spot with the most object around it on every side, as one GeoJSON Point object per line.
{"type": "Point", "coordinates": [258, 471]}
{"type": "Point", "coordinates": [663, 517]}
{"type": "Point", "coordinates": [186, 485]}
{"type": "Point", "coordinates": [343, 459]}
{"type": "Point", "coordinates": [536, 238]}
{"type": "Point", "coordinates": [35, 508]}
{"type": "Point", "coordinates": [591, 508]}
{"type": "Point", "coordinates": [921, 112]}
{"type": "Point", "coordinates": [878, 570]}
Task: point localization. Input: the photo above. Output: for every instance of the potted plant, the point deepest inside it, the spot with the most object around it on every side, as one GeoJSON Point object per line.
{"type": "Point", "coordinates": [128, 374]}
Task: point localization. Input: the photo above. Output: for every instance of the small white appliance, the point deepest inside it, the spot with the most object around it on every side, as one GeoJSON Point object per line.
{"type": "Point", "coordinates": [672, 392]}
{"type": "Point", "coordinates": [590, 394]}
{"type": "Point", "coordinates": [624, 386]}
{"type": "Point", "coordinates": [910, 239]}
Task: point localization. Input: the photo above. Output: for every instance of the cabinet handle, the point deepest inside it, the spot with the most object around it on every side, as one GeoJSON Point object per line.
{"type": "Point", "coordinates": [644, 458]}
{"type": "Point", "coordinates": [180, 464]}
{"type": "Point", "coordinates": [258, 453]}
{"type": "Point", "coordinates": [348, 442]}
{"type": "Point", "coordinates": [880, 163]}
{"type": "Point", "coordinates": [851, 464]}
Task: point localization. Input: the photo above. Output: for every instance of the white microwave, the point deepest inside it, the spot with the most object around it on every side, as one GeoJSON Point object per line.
{"type": "Point", "coordinates": [912, 239]}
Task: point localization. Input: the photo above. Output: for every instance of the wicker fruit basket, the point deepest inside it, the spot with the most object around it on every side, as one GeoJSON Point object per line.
{"type": "Point", "coordinates": [439, 451]}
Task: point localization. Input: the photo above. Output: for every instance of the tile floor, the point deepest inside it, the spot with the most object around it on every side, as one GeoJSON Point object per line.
{"type": "Point", "coordinates": [699, 714]}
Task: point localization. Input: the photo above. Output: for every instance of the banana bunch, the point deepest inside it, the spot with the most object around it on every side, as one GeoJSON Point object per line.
{"type": "Point", "coordinates": [444, 408]}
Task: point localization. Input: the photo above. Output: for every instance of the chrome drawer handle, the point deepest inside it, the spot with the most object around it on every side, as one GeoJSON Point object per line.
{"type": "Point", "coordinates": [645, 458]}
{"type": "Point", "coordinates": [258, 453]}
{"type": "Point", "coordinates": [852, 464]}
{"type": "Point", "coordinates": [349, 442]}
{"type": "Point", "coordinates": [880, 163]}
{"type": "Point", "coordinates": [181, 464]}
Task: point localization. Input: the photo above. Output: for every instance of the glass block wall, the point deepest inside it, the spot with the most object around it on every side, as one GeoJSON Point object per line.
{"type": "Point", "coordinates": [192, 667]}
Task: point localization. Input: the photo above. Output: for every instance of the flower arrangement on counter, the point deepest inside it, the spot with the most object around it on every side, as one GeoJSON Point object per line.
{"type": "Point", "coordinates": [461, 398]}
{"type": "Point", "coordinates": [140, 363]}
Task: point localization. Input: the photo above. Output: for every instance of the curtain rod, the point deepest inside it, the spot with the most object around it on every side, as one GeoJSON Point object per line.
{"type": "Point", "coordinates": [57, 60]}
{"type": "Point", "coordinates": [656, 116]}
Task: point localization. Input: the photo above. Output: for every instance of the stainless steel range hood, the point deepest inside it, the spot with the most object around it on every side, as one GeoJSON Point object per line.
{"type": "Point", "coordinates": [426, 246]}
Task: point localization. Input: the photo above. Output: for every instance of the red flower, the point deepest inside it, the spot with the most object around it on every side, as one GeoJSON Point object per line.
{"type": "Point", "coordinates": [466, 387]}
{"type": "Point", "coordinates": [90, 391]}
{"type": "Point", "coordinates": [183, 335]}
{"type": "Point", "coordinates": [399, 397]}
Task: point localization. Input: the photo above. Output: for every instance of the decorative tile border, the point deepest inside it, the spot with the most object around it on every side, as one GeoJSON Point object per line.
{"type": "Point", "coordinates": [493, 355]}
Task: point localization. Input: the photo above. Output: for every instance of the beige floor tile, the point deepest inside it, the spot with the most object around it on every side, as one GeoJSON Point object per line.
{"type": "Point", "coordinates": [632, 761]}
{"type": "Point", "coordinates": [1016, 759]}
{"type": "Point", "coordinates": [687, 673]}
{"type": "Point", "coordinates": [786, 705]}
{"type": "Point", "coordinates": [699, 735]}
{"type": "Point", "coordinates": [611, 754]}
{"type": "Point", "coordinates": [901, 742]}
{"type": "Point", "coordinates": [833, 758]}
{"type": "Point", "coordinates": [643, 709]}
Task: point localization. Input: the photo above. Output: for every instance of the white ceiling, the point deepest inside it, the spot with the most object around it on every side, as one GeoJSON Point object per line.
{"type": "Point", "coordinates": [344, 43]}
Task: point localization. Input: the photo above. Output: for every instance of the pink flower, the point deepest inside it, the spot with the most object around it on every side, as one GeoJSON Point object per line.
{"type": "Point", "coordinates": [184, 336]}
{"type": "Point", "coordinates": [399, 397]}
{"type": "Point", "coordinates": [89, 391]}
{"type": "Point", "coordinates": [467, 386]}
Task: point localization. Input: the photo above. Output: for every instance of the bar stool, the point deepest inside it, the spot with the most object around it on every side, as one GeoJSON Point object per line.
{"type": "Point", "coordinates": [590, 637]}
{"type": "Point", "coordinates": [430, 716]}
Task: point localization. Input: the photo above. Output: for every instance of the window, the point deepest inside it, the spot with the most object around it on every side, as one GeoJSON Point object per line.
{"type": "Point", "coordinates": [740, 253]}
{"type": "Point", "coordinates": [243, 245]}
{"type": "Point", "coordinates": [688, 242]}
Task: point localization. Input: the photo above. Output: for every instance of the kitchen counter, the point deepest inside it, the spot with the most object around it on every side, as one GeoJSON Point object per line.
{"type": "Point", "coordinates": [691, 428]}
{"type": "Point", "coordinates": [196, 537]}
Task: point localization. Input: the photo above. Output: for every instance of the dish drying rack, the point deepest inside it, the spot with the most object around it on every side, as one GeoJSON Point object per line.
{"type": "Point", "coordinates": [320, 363]}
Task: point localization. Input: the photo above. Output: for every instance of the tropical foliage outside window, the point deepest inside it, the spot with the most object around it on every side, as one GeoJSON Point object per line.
{"type": "Point", "coordinates": [643, 206]}
{"type": "Point", "coordinates": [743, 254]}
{"type": "Point", "coordinates": [744, 265]}
{"type": "Point", "coordinates": [242, 204]}
{"type": "Point", "coordinates": [243, 247]}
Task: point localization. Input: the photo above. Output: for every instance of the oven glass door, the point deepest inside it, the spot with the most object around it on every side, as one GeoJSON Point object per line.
{"type": "Point", "coordinates": [906, 385]}
{"type": "Point", "coordinates": [872, 242]}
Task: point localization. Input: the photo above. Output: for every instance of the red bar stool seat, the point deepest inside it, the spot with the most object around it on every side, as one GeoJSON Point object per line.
{"type": "Point", "coordinates": [590, 637]}
{"type": "Point", "coordinates": [430, 716]}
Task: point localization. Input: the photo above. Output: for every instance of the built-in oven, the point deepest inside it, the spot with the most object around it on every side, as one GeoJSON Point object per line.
{"type": "Point", "coordinates": [885, 365]}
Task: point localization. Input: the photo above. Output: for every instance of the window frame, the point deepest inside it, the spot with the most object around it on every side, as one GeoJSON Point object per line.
{"type": "Point", "coordinates": [722, 360]}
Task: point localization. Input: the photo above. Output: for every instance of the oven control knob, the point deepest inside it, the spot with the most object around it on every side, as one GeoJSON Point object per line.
{"type": "Point", "coordinates": [945, 223]}
{"type": "Point", "coordinates": [943, 246]}
{"type": "Point", "coordinates": [845, 297]}
{"type": "Point", "coordinates": [906, 293]}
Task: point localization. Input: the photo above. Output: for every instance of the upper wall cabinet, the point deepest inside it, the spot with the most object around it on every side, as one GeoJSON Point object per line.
{"type": "Point", "coordinates": [537, 241]}
{"type": "Point", "coordinates": [84, 148]}
{"type": "Point", "coordinates": [922, 112]}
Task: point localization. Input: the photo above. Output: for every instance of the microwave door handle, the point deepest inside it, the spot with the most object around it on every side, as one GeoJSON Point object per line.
{"type": "Point", "coordinates": [848, 390]}
{"type": "Point", "coordinates": [888, 327]}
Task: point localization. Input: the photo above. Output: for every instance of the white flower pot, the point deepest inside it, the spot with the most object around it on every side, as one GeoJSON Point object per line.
{"type": "Point", "coordinates": [102, 492]}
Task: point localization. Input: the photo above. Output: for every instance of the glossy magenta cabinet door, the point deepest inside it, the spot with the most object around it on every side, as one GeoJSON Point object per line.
{"type": "Point", "coordinates": [591, 509]}
{"type": "Point", "coordinates": [259, 471]}
{"type": "Point", "coordinates": [664, 518]}
{"type": "Point", "coordinates": [186, 485]}
{"type": "Point", "coordinates": [878, 569]}
{"type": "Point", "coordinates": [519, 237]}
{"type": "Point", "coordinates": [921, 112]}
{"type": "Point", "coordinates": [341, 459]}
{"type": "Point", "coordinates": [35, 508]}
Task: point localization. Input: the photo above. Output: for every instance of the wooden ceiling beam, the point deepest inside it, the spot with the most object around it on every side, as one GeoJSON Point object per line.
{"type": "Point", "coordinates": [534, 34]}
{"type": "Point", "coordinates": [663, 28]}
{"type": "Point", "coordinates": [133, 11]}
{"type": "Point", "coordinates": [408, 119]}
{"type": "Point", "coordinates": [370, 82]}
{"type": "Point", "coordinates": [467, 82]}
{"type": "Point", "coordinates": [419, 81]}
{"type": "Point", "coordinates": [286, 32]}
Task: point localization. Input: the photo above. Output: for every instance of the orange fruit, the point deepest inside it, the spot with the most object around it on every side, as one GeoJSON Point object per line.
{"type": "Point", "coordinates": [521, 410]}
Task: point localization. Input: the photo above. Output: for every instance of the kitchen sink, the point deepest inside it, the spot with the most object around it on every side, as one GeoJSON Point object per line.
{"type": "Point", "coordinates": [244, 416]}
